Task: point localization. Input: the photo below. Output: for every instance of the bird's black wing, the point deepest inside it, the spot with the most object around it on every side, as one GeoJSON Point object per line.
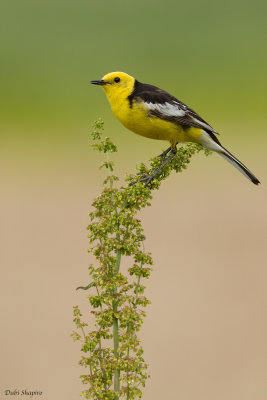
{"type": "Point", "coordinates": [165, 106]}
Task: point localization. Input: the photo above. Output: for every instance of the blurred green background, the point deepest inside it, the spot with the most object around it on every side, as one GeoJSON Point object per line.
{"type": "Point", "coordinates": [205, 335]}
{"type": "Point", "coordinates": [210, 54]}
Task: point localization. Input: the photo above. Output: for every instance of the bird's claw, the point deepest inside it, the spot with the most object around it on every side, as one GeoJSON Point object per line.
{"type": "Point", "coordinates": [146, 178]}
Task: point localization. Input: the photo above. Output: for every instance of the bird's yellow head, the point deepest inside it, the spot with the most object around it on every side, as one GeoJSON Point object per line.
{"type": "Point", "coordinates": [117, 85]}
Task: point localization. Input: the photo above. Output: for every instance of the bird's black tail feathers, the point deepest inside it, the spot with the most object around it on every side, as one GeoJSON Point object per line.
{"type": "Point", "coordinates": [238, 165]}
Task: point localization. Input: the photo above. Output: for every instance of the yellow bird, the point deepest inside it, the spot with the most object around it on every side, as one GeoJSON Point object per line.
{"type": "Point", "coordinates": [151, 112]}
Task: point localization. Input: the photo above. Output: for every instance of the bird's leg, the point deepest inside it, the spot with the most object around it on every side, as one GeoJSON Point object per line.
{"type": "Point", "coordinates": [162, 155]}
{"type": "Point", "coordinates": [148, 178]}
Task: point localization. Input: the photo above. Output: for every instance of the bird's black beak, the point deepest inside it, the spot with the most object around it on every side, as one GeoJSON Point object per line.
{"type": "Point", "coordinates": [100, 82]}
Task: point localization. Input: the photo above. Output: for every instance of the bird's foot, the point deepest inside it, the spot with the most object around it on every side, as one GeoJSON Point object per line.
{"type": "Point", "coordinates": [148, 178]}
{"type": "Point", "coordinates": [145, 178]}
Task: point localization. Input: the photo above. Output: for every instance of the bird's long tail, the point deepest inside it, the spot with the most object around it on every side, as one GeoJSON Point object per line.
{"type": "Point", "coordinates": [212, 143]}
{"type": "Point", "coordinates": [238, 165]}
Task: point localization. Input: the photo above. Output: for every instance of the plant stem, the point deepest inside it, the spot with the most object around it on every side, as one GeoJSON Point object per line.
{"type": "Point", "coordinates": [116, 354]}
{"type": "Point", "coordinates": [116, 325]}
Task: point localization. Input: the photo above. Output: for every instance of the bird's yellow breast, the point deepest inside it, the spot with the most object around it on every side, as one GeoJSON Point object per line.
{"type": "Point", "coordinates": [138, 120]}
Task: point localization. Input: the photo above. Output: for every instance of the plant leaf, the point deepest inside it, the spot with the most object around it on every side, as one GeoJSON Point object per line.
{"type": "Point", "coordinates": [86, 287]}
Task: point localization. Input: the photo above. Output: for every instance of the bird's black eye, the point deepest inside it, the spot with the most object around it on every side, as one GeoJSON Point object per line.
{"type": "Point", "coordinates": [117, 79]}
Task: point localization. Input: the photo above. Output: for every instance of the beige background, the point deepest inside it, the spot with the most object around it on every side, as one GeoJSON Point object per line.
{"type": "Point", "coordinates": [205, 334]}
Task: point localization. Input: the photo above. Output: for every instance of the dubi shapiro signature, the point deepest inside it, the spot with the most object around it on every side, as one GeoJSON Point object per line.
{"type": "Point", "coordinates": [23, 392]}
